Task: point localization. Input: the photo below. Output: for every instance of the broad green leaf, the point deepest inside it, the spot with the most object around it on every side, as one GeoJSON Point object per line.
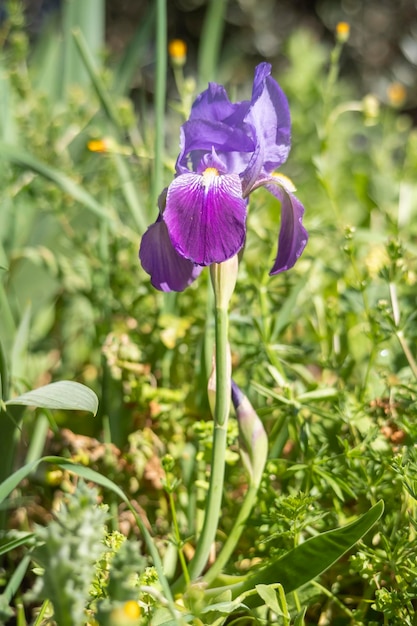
{"type": "Point", "coordinates": [64, 394]}
{"type": "Point", "coordinates": [311, 558]}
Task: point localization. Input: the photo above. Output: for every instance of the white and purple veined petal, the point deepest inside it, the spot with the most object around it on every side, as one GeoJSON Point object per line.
{"type": "Point", "coordinates": [206, 216]}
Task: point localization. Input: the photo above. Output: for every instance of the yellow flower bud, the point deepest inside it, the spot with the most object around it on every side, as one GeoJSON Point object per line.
{"type": "Point", "coordinates": [97, 145]}
{"type": "Point", "coordinates": [132, 609]}
{"type": "Point", "coordinates": [177, 50]}
{"type": "Point", "coordinates": [342, 31]}
{"type": "Point", "coordinates": [397, 94]}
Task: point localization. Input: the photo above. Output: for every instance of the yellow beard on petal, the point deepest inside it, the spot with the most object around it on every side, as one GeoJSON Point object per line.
{"type": "Point", "coordinates": [209, 174]}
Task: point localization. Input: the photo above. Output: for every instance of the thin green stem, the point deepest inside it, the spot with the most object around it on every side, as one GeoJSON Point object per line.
{"type": "Point", "coordinates": [211, 38]}
{"type": "Point", "coordinates": [160, 96]}
{"type": "Point", "coordinates": [178, 539]}
{"type": "Point", "coordinates": [215, 492]}
{"type": "Point", "coordinates": [233, 536]}
{"type": "Point", "coordinates": [399, 333]}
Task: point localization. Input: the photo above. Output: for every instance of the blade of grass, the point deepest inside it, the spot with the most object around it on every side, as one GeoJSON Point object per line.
{"type": "Point", "coordinates": [128, 188]}
{"type": "Point", "coordinates": [210, 42]}
{"type": "Point", "coordinates": [127, 67]}
{"type": "Point", "coordinates": [160, 97]}
{"type": "Point", "coordinates": [78, 193]}
{"type": "Point", "coordinates": [16, 579]}
{"type": "Point", "coordinates": [88, 17]}
{"type": "Point", "coordinates": [89, 65]}
{"type": "Point", "coordinates": [15, 543]}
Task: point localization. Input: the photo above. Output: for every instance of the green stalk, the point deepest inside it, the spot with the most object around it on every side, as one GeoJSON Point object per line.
{"type": "Point", "coordinates": [160, 96]}
{"type": "Point", "coordinates": [223, 278]}
{"type": "Point", "coordinates": [234, 535]}
{"type": "Point", "coordinates": [221, 414]}
{"type": "Point", "coordinates": [177, 535]}
{"type": "Point", "coordinates": [211, 38]}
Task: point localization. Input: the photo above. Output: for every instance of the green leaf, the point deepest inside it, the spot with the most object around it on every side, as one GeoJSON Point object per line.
{"type": "Point", "coordinates": [269, 596]}
{"type": "Point", "coordinates": [299, 618]}
{"type": "Point", "coordinates": [311, 558]}
{"type": "Point", "coordinates": [64, 394]}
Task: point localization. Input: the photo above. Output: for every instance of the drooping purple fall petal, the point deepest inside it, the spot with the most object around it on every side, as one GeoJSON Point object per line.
{"type": "Point", "coordinates": [293, 236]}
{"type": "Point", "coordinates": [168, 270]}
{"type": "Point", "coordinates": [205, 215]}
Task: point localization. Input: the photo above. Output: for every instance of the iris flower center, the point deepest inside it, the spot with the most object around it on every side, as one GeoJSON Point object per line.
{"type": "Point", "coordinates": [208, 175]}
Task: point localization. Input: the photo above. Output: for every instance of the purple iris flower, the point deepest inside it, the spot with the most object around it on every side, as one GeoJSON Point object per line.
{"type": "Point", "coordinates": [227, 150]}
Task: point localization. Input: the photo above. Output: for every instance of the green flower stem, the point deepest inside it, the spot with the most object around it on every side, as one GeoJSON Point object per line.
{"type": "Point", "coordinates": [233, 536]}
{"type": "Point", "coordinates": [221, 414]}
{"type": "Point", "coordinates": [223, 277]}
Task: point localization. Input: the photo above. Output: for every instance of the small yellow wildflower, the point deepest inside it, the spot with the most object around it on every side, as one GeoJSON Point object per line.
{"type": "Point", "coordinates": [177, 50]}
{"type": "Point", "coordinates": [98, 145]}
{"type": "Point", "coordinates": [106, 145]}
{"type": "Point", "coordinates": [131, 609]}
{"type": "Point", "coordinates": [126, 615]}
{"type": "Point", "coordinates": [397, 94]}
{"type": "Point", "coordinates": [342, 31]}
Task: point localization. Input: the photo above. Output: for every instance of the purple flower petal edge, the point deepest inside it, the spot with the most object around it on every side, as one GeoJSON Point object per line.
{"type": "Point", "coordinates": [293, 236]}
{"type": "Point", "coordinates": [168, 270]}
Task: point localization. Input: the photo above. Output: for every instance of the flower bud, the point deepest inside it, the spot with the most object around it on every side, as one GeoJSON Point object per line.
{"type": "Point", "coordinates": [397, 94]}
{"type": "Point", "coordinates": [177, 50]}
{"type": "Point", "coordinates": [252, 435]}
{"type": "Point", "coordinates": [342, 32]}
{"type": "Point", "coordinates": [223, 277]}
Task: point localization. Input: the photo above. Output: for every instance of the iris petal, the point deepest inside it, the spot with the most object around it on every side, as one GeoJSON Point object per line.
{"type": "Point", "coordinates": [293, 236]}
{"type": "Point", "coordinates": [206, 215]}
{"type": "Point", "coordinates": [168, 270]}
{"type": "Point", "coordinates": [212, 104]}
{"type": "Point", "coordinates": [200, 136]}
{"type": "Point", "coordinates": [269, 114]}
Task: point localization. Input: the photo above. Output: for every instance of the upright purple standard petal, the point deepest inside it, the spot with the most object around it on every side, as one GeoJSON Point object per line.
{"type": "Point", "coordinates": [269, 114]}
{"type": "Point", "coordinates": [168, 270]}
{"type": "Point", "coordinates": [293, 236]}
{"type": "Point", "coordinates": [205, 215]}
{"type": "Point", "coordinates": [212, 104]}
{"type": "Point", "coordinates": [202, 136]}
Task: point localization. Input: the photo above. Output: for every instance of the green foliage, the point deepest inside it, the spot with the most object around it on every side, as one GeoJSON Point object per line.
{"type": "Point", "coordinates": [67, 551]}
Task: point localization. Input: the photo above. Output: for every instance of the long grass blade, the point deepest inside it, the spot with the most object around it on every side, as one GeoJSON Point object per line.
{"type": "Point", "coordinates": [25, 159]}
